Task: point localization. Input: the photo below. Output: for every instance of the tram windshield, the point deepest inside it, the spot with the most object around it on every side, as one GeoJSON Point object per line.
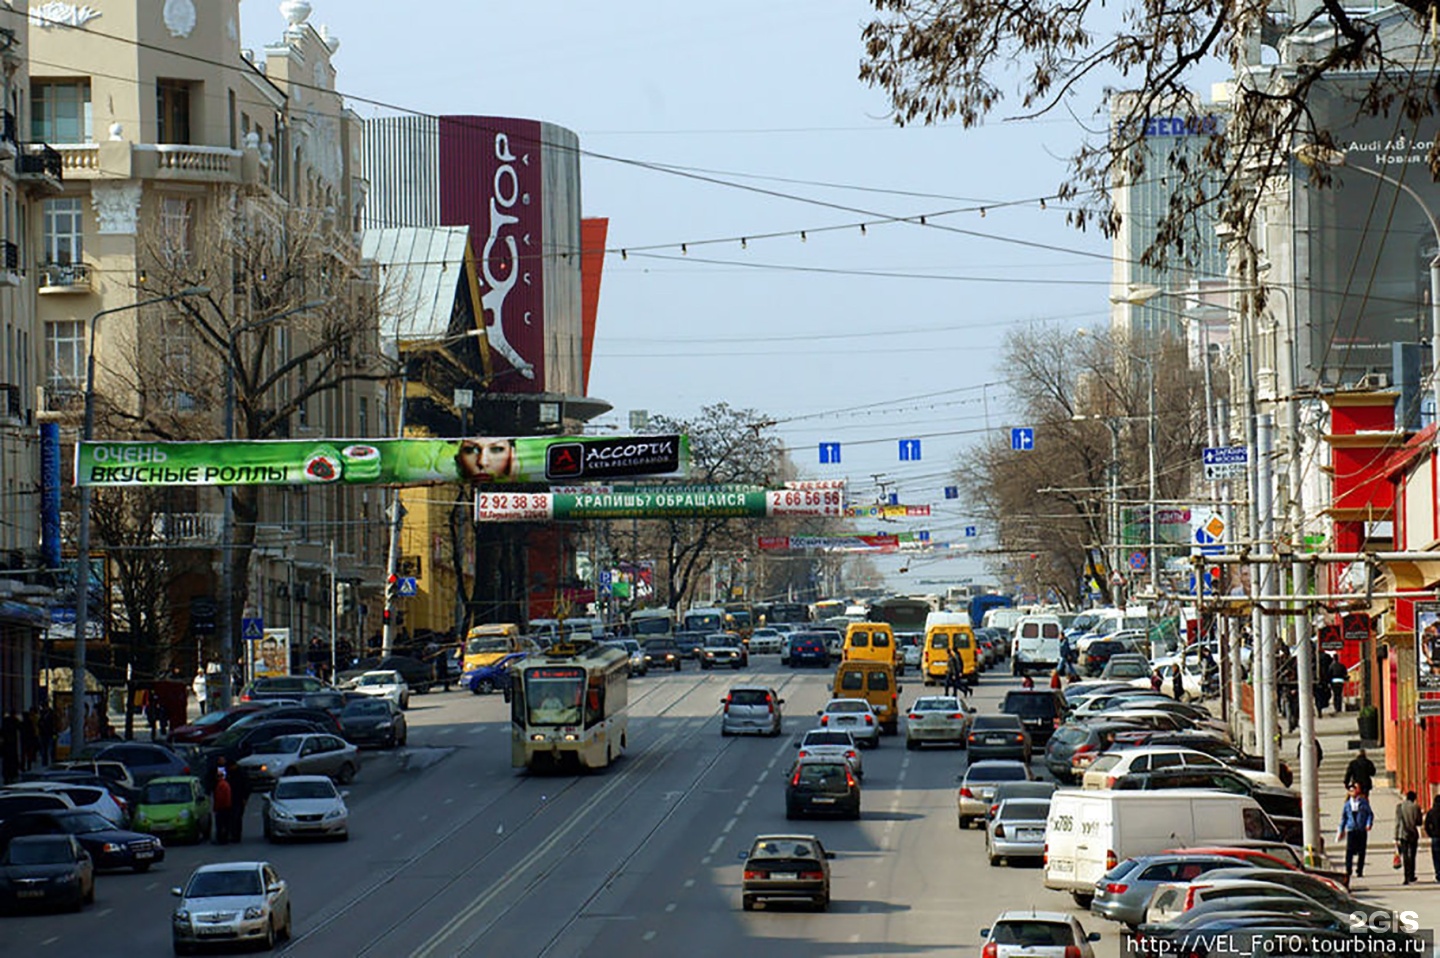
{"type": "Point", "coordinates": [554, 695]}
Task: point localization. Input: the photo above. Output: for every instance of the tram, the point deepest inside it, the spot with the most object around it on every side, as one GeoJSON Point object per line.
{"type": "Point", "coordinates": [569, 708]}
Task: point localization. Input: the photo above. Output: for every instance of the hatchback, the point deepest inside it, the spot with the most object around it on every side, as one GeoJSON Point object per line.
{"type": "Point", "coordinates": [1041, 711]}
{"type": "Point", "coordinates": [823, 786]}
{"type": "Point", "coordinates": [1017, 830]}
{"type": "Point", "coordinates": [40, 870]}
{"type": "Point", "coordinates": [1037, 934]}
{"type": "Point", "coordinates": [1123, 892]}
{"type": "Point", "coordinates": [1075, 745]}
{"type": "Point", "coordinates": [831, 743]}
{"type": "Point", "coordinates": [998, 736]}
{"type": "Point", "coordinates": [752, 709]}
{"type": "Point", "coordinates": [91, 798]}
{"type": "Point", "coordinates": [174, 807]}
{"type": "Point", "coordinates": [855, 716]}
{"type": "Point", "coordinates": [978, 784]}
{"type": "Point", "coordinates": [805, 648]}
{"type": "Point", "coordinates": [786, 868]}
{"type": "Point", "coordinates": [937, 718]}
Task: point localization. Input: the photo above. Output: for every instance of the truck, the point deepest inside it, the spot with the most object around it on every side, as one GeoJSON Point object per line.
{"type": "Point", "coordinates": [981, 604]}
{"type": "Point", "coordinates": [1090, 831]}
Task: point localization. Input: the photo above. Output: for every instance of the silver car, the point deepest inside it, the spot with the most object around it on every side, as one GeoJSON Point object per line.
{"type": "Point", "coordinates": [1017, 830]}
{"type": "Point", "coordinates": [1037, 934]}
{"type": "Point", "coordinates": [854, 716]}
{"type": "Point", "coordinates": [306, 806]}
{"type": "Point", "coordinates": [937, 718]}
{"type": "Point", "coordinates": [231, 902]}
{"type": "Point", "coordinates": [832, 743]}
{"type": "Point", "coordinates": [977, 787]}
{"type": "Point", "coordinates": [305, 754]}
{"type": "Point", "coordinates": [1123, 892]}
{"type": "Point", "coordinates": [752, 710]}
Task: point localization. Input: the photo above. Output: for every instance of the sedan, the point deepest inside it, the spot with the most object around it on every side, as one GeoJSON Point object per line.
{"type": "Point", "coordinates": [662, 654]}
{"type": "Point", "coordinates": [831, 743]}
{"type": "Point", "coordinates": [998, 736]}
{"type": "Point", "coordinates": [308, 754]}
{"type": "Point", "coordinates": [978, 784]}
{"type": "Point", "coordinates": [722, 648]}
{"type": "Point", "coordinates": [496, 676]}
{"type": "Point", "coordinates": [1124, 891]}
{"type": "Point", "coordinates": [108, 846]}
{"type": "Point", "coordinates": [854, 716]}
{"type": "Point", "coordinates": [1017, 830]}
{"type": "Point", "coordinates": [1037, 934]}
{"type": "Point", "coordinates": [937, 718]}
{"type": "Point", "coordinates": [822, 786]}
{"type": "Point", "coordinates": [766, 641]}
{"type": "Point", "coordinates": [786, 868]}
{"type": "Point", "coordinates": [374, 722]}
{"type": "Point", "coordinates": [211, 724]}
{"type": "Point", "coordinates": [231, 902]}
{"type": "Point", "coordinates": [306, 806]}
{"type": "Point", "coordinates": [384, 684]}
{"type": "Point", "coordinates": [40, 870]}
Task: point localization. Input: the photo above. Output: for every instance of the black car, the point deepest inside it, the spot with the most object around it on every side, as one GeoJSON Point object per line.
{"type": "Point", "coordinates": [145, 760]}
{"type": "Point", "coordinates": [281, 687]}
{"type": "Point", "coordinates": [41, 870]}
{"type": "Point", "coordinates": [107, 845]}
{"type": "Point", "coordinates": [1281, 804]}
{"type": "Point", "coordinates": [237, 743]}
{"type": "Point", "coordinates": [330, 700]}
{"type": "Point", "coordinates": [690, 643]}
{"type": "Point", "coordinates": [1098, 653]}
{"type": "Point", "coordinates": [1041, 711]}
{"type": "Point", "coordinates": [419, 675]}
{"type": "Point", "coordinates": [374, 721]}
{"type": "Point", "coordinates": [326, 720]}
{"type": "Point", "coordinates": [805, 648]}
{"type": "Point", "coordinates": [662, 653]}
{"type": "Point", "coordinates": [1208, 742]}
{"type": "Point", "coordinates": [1080, 739]}
{"type": "Point", "coordinates": [822, 786]}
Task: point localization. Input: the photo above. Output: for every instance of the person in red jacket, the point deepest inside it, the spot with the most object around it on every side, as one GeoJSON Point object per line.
{"type": "Point", "coordinates": [222, 804]}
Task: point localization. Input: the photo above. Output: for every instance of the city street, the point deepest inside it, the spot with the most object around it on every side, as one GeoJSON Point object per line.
{"type": "Point", "coordinates": [454, 853]}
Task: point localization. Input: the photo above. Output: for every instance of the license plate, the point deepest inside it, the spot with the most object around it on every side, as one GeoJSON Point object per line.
{"type": "Point", "coordinates": [784, 876]}
{"type": "Point", "coordinates": [143, 855]}
{"type": "Point", "coordinates": [1061, 865]}
{"type": "Point", "coordinates": [824, 801]}
{"type": "Point", "coordinates": [29, 893]}
{"type": "Point", "coordinates": [1028, 834]}
{"type": "Point", "coordinates": [212, 932]}
{"type": "Point", "coordinates": [847, 721]}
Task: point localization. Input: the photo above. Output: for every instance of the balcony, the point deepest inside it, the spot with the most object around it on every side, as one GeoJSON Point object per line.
{"type": "Point", "coordinates": [65, 279]}
{"type": "Point", "coordinates": [176, 161]}
{"type": "Point", "coordinates": [9, 264]}
{"type": "Point", "coordinates": [8, 145]}
{"type": "Point", "coordinates": [186, 528]}
{"type": "Point", "coordinates": [64, 397]}
{"type": "Point", "coordinates": [10, 408]}
{"type": "Point", "coordinates": [39, 166]}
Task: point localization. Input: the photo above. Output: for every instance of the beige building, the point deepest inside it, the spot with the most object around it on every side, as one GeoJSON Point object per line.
{"type": "Point", "coordinates": [185, 162]}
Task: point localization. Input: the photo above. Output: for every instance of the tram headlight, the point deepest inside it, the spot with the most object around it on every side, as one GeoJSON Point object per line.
{"type": "Point", "coordinates": [571, 737]}
{"type": "Point", "coordinates": [537, 737]}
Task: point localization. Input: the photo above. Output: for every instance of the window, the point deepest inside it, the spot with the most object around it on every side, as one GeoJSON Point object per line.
{"type": "Point", "coordinates": [879, 681]}
{"type": "Point", "coordinates": [852, 681]}
{"type": "Point", "coordinates": [60, 111]}
{"type": "Point", "coordinates": [65, 356]}
{"type": "Point", "coordinates": [177, 239]}
{"type": "Point", "coordinates": [64, 230]}
{"type": "Point", "coordinates": [172, 111]}
{"type": "Point", "coordinates": [176, 351]}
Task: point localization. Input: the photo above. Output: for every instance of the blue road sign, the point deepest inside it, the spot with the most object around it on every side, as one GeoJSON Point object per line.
{"type": "Point", "coordinates": [605, 579]}
{"type": "Point", "coordinates": [972, 531]}
{"type": "Point", "coordinates": [252, 629]}
{"type": "Point", "coordinates": [1138, 561]}
{"type": "Point", "coordinates": [407, 586]}
{"type": "Point", "coordinates": [829, 453]}
{"type": "Point", "coordinates": [1022, 439]}
{"type": "Point", "coordinates": [952, 492]}
{"type": "Point", "coordinates": [909, 450]}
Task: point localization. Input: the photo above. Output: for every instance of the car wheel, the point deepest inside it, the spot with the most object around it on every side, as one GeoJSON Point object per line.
{"type": "Point", "coordinates": [270, 935]}
{"type": "Point", "coordinates": [181, 948]}
{"type": "Point", "coordinates": [791, 813]}
{"type": "Point", "coordinates": [405, 737]}
{"type": "Point", "coordinates": [725, 732]}
{"type": "Point", "coordinates": [269, 832]}
{"type": "Point", "coordinates": [90, 893]}
{"type": "Point", "coordinates": [404, 702]}
{"type": "Point", "coordinates": [911, 744]}
{"type": "Point", "coordinates": [677, 666]}
{"type": "Point", "coordinates": [1083, 899]}
{"type": "Point", "coordinates": [344, 836]}
{"type": "Point", "coordinates": [142, 867]}
{"type": "Point", "coordinates": [994, 860]}
{"type": "Point", "coordinates": [289, 928]}
{"type": "Point", "coordinates": [347, 773]}
{"type": "Point", "coordinates": [486, 686]}
{"type": "Point", "coordinates": [964, 822]}
{"type": "Point", "coordinates": [747, 903]}
{"type": "Point", "coordinates": [822, 903]}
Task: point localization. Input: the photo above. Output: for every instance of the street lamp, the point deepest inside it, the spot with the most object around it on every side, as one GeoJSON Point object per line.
{"type": "Point", "coordinates": [1112, 520]}
{"type": "Point", "coordinates": [82, 545]}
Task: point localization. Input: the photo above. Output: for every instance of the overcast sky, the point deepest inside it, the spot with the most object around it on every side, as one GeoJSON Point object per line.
{"type": "Point", "coordinates": [858, 338]}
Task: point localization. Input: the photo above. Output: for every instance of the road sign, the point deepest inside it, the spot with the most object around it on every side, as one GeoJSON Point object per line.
{"type": "Point", "coordinates": [1138, 561]}
{"type": "Point", "coordinates": [909, 450]}
{"type": "Point", "coordinates": [252, 629]}
{"type": "Point", "coordinates": [972, 531]}
{"type": "Point", "coordinates": [952, 492]}
{"type": "Point", "coordinates": [1022, 439]}
{"type": "Point", "coordinates": [829, 453]}
{"type": "Point", "coordinates": [1226, 462]}
{"type": "Point", "coordinates": [408, 586]}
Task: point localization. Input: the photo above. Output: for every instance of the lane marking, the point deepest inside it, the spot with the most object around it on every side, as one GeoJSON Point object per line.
{"type": "Point", "coordinates": [753, 790]}
{"type": "Point", "coordinates": [648, 936]}
{"type": "Point", "coordinates": [689, 883]}
{"type": "Point", "coordinates": [716, 847]}
{"type": "Point", "coordinates": [50, 941]}
{"type": "Point", "coordinates": [152, 886]}
{"type": "Point", "coordinates": [762, 776]}
{"type": "Point", "coordinates": [670, 907]}
{"type": "Point", "coordinates": [705, 860]}
{"type": "Point", "coordinates": [870, 883]}
{"type": "Point", "coordinates": [740, 809]}
{"type": "Point", "coordinates": [729, 825]}
{"type": "Point", "coordinates": [103, 912]}
{"type": "Point", "coordinates": [397, 836]}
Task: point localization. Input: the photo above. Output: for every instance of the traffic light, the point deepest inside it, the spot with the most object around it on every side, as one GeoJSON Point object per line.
{"type": "Point", "coordinates": [344, 598]}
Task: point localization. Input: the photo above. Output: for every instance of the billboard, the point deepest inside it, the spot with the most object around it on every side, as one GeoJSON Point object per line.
{"type": "Point", "coordinates": [1364, 271]}
{"type": "Point", "coordinates": [1427, 657]}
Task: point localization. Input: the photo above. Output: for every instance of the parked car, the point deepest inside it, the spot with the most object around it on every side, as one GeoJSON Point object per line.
{"type": "Point", "coordinates": [823, 786]}
{"type": "Point", "coordinates": [753, 709]}
{"type": "Point", "coordinates": [45, 870]}
{"type": "Point", "coordinates": [384, 684]}
{"type": "Point", "coordinates": [831, 743]}
{"type": "Point", "coordinates": [1016, 830]}
{"type": "Point", "coordinates": [1098, 653]}
{"type": "Point", "coordinates": [1107, 770]}
{"type": "Point", "coordinates": [174, 807]}
{"type": "Point", "coordinates": [213, 723]}
{"type": "Point", "coordinates": [231, 902]}
{"type": "Point", "coordinates": [1124, 892]}
{"type": "Point", "coordinates": [419, 675]}
{"type": "Point", "coordinates": [912, 648]}
{"type": "Point", "coordinates": [1281, 804]}
{"type": "Point", "coordinates": [1027, 789]}
{"type": "Point", "coordinates": [374, 721]}
{"type": "Point", "coordinates": [122, 789]}
{"type": "Point", "coordinates": [663, 654]}
{"type": "Point", "coordinates": [722, 648]}
{"type": "Point", "coordinates": [978, 784]}
{"type": "Point", "coordinates": [240, 742]}
{"type": "Point", "coordinates": [631, 647]}
{"type": "Point", "coordinates": [1170, 900]}
{"type": "Point", "coordinates": [1128, 667]}
{"type": "Point", "coordinates": [1037, 934]}
{"type": "Point", "coordinates": [855, 716]}
{"type": "Point", "coordinates": [108, 845]}
{"type": "Point", "coordinates": [1311, 886]}
{"type": "Point", "coordinates": [937, 718]}
{"type": "Point", "coordinates": [324, 721]}
{"type": "Point", "coordinates": [766, 641]}
{"type": "Point", "coordinates": [495, 676]}
{"type": "Point", "coordinates": [306, 806]}
{"type": "Point", "coordinates": [1251, 766]}
{"type": "Point", "coordinates": [998, 736]}
{"type": "Point", "coordinates": [1041, 711]}
{"type": "Point", "coordinates": [300, 755]}
{"type": "Point", "coordinates": [291, 687]}
{"type": "Point", "coordinates": [145, 760]}
{"type": "Point", "coordinates": [15, 804]}
{"type": "Point", "coordinates": [786, 868]}
{"type": "Point", "coordinates": [91, 798]}
{"type": "Point", "coordinates": [1075, 745]}
{"type": "Point", "coordinates": [330, 700]}
{"type": "Point", "coordinates": [805, 648]}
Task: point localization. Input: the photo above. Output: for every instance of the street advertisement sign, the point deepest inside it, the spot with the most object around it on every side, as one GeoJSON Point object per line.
{"type": "Point", "coordinates": [888, 543]}
{"type": "Point", "coordinates": [658, 503]}
{"type": "Point", "coordinates": [1427, 657]}
{"type": "Point", "coordinates": [400, 462]}
{"type": "Point", "coordinates": [268, 655]}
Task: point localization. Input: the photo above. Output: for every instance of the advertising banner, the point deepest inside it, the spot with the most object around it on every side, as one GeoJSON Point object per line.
{"type": "Point", "coordinates": [883, 511]}
{"type": "Point", "coordinates": [269, 655]}
{"type": "Point", "coordinates": [1427, 652]}
{"type": "Point", "coordinates": [829, 543]}
{"type": "Point", "coordinates": [399, 462]}
{"type": "Point", "coordinates": [660, 503]}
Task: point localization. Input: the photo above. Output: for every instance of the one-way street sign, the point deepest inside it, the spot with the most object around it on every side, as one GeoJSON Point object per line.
{"type": "Point", "coordinates": [1226, 462]}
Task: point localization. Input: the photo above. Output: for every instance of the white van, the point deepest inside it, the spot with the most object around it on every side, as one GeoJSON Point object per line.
{"type": "Point", "coordinates": [1086, 835]}
{"type": "Point", "coordinates": [933, 619]}
{"type": "Point", "coordinates": [1104, 623]}
{"type": "Point", "coordinates": [1036, 644]}
{"type": "Point", "coordinates": [1001, 618]}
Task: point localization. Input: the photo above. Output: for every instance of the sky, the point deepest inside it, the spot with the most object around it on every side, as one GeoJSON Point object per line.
{"type": "Point", "coordinates": [858, 337]}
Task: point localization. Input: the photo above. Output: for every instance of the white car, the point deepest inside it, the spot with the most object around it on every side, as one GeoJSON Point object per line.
{"type": "Point", "coordinates": [385, 684]}
{"type": "Point", "coordinates": [912, 648]}
{"type": "Point", "coordinates": [832, 743]}
{"type": "Point", "coordinates": [311, 753]}
{"type": "Point", "coordinates": [937, 718]}
{"type": "Point", "coordinates": [1192, 679]}
{"type": "Point", "coordinates": [766, 641]}
{"type": "Point", "coordinates": [91, 798]}
{"type": "Point", "coordinates": [234, 901]}
{"type": "Point", "coordinates": [854, 716]}
{"type": "Point", "coordinates": [306, 806]}
{"type": "Point", "coordinates": [1037, 934]}
{"type": "Point", "coordinates": [1111, 765]}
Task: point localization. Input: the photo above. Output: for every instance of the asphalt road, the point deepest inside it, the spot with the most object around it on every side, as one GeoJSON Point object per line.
{"type": "Point", "coordinates": [452, 852]}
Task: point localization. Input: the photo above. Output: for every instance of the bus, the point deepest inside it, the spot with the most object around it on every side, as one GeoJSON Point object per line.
{"type": "Point", "coordinates": [651, 623]}
{"type": "Point", "coordinates": [705, 619]}
{"type": "Point", "coordinates": [568, 708]}
{"type": "Point", "coordinates": [774, 613]}
{"type": "Point", "coordinates": [904, 613]}
{"type": "Point", "coordinates": [827, 609]}
{"type": "Point", "coordinates": [488, 644]}
{"type": "Point", "coordinates": [740, 619]}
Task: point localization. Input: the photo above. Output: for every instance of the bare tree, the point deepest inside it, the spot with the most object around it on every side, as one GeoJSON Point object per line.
{"type": "Point", "coordinates": [938, 60]}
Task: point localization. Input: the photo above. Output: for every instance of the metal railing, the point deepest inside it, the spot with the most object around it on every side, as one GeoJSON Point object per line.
{"type": "Point", "coordinates": [7, 127]}
{"type": "Point", "coordinates": [9, 256]}
{"type": "Point", "coordinates": [65, 276]}
{"type": "Point", "coordinates": [39, 159]}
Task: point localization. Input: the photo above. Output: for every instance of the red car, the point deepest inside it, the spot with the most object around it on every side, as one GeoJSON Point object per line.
{"type": "Point", "coordinates": [212, 724]}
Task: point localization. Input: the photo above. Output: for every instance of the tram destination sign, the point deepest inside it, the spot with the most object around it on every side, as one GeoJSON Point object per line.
{"type": "Point", "coordinates": [657, 503]}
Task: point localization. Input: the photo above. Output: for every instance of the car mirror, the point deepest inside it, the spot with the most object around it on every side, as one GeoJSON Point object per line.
{"type": "Point", "coordinates": [820, 712]}
{"type": "Point", "coordinates": [1093, 936]}
{"type": "Point", "coordinates": [275, 888]}
{"type": "Point", "coordinates": [984, 932]}
{"type": "Point", "coordinates": [779, 701]}
{"type": "Point", "coordinates": [345, 793]}
{"type": "Point", "coordinates": [971, 709]}
{"type": "Point", "coordinates": [177, 893]}
{"type": "Point", "coordinates": [742, 856]}
{"type": "Point", "coordinates": [830, 856]}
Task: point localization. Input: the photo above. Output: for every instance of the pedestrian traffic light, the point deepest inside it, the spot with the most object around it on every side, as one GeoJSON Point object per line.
{"type": "Point", "coordinates": [344, 598]}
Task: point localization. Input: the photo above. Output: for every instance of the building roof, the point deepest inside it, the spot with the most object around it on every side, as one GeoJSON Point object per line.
{"type": "Point", "coordinates": [420, 268]}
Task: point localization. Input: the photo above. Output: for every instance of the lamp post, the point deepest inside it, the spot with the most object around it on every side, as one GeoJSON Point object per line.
{"type": "Point", "coordinates": [82, 544]}
{"type": "Point", "coordinates": [1112, 513]}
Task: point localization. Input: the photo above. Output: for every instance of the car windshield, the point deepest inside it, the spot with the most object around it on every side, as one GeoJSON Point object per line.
{"type": "Point", "coordinates": [1022, 704]}
{"type": "Point", "coordinates": [719, 642]}
{"type": "Point", "coordinates": [1009, 723]}
{"type": "Point", "coordinates": [826, 738]}
{"type": "Point", "coordinates": [937, 705]}
{"type": "Point", "coordinates": [1008, 772]}
{"type": "Point", "coordinates": [480, 646]}
{"type": "Point", "coordinates": [377, 678]}
{"type": "Point", "coordinates": [812, 773]}
{"type": "Point", "coordinates": [660, 645]}
{"type": "Point", "coordinates": [167, 793]}
{"type": "Point", "coordinates": [782, 848]}
{"type": "Point", "coordinates": [848, 705]}
{"type": "Point", "coordinates": [369, 708]}
{"type": "Point", "coordinates": [47, 851]}
{"type": "Point", "coordinates": [224, 883]}
{"type": "Point", "coordinates": [304, 789]}
{"type": "Point", "coordinates": [1030, 811]}
{"type": "Point", "coordinates": [212, 718]}
{"type": "Point", "coordinates": [1032, 934]}
{"type": "Point", "coordinates": [281, 745]}
{"type": "Point", "coordinates": [1084, 623]}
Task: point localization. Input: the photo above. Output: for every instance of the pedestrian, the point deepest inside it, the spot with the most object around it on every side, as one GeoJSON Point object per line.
{"type": "Point", "coordinates": [239, 795]}
{"type": "Point", "coordinates": [965, 684]}
{"type": "Point", "coordinates": [163, 712]}
{"type": "Point", "coordinates": [1292, 706]}
{"type": "Point", "coordinates": [1055, 679]}
{"type": "Point", "coordinates": [1177, 681]}
{"type": "Point", "coordinates": [1028, 682]}
{"type": "Point", "coordinates": [952, 674]}
{"type": "Point", "coordinates": [1356, 820]}
{"type": "Point", "coordinates": [1361, 772]}
{"type": "Point", "coordinates": [152, 714]}
{"type": "Point", "coordinates": [10, 747]}
{"type": "Point", "coordinates": [221, 803]}
{"type": "Point", "coordinates": [200, 688]}
{"type": "Point", "coordinates": [1339, 675]}
{"type": "Point", "coordinates": [48, 731]}
{"type": "Point", "coordinates": [1156, 682]}
{"type": "Point", "coordinates": [1431, 824]}
{"type": "Point", "coordinates": [29, 738]}
{"type": "Point", "coordinates": [1407, 834]}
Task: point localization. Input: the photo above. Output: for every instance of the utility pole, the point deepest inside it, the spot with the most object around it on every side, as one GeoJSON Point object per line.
{"type": "Point", "coordinates": [397, 518]}
{"type": "Point", "coordinates": [1265, 714]}
{"type": "Point", "coordinates": [334, 609]}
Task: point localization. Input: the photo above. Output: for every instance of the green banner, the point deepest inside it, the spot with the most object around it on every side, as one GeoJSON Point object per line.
{"type": "Point", "coordinates": [399, 462]}
{"type": "Point", "coordinates": [656, 502]}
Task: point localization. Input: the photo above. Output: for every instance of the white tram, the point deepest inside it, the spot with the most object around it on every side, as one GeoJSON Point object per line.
{"type": "Point", "coordinates": [568, 708]}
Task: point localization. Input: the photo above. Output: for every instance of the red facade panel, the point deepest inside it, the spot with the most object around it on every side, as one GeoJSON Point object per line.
{"type": "Point", "coordinates": [593, 231]}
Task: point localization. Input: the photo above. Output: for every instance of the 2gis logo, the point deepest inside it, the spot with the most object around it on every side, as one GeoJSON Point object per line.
{"type": "Point", "coordinates": [1383, 920]}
